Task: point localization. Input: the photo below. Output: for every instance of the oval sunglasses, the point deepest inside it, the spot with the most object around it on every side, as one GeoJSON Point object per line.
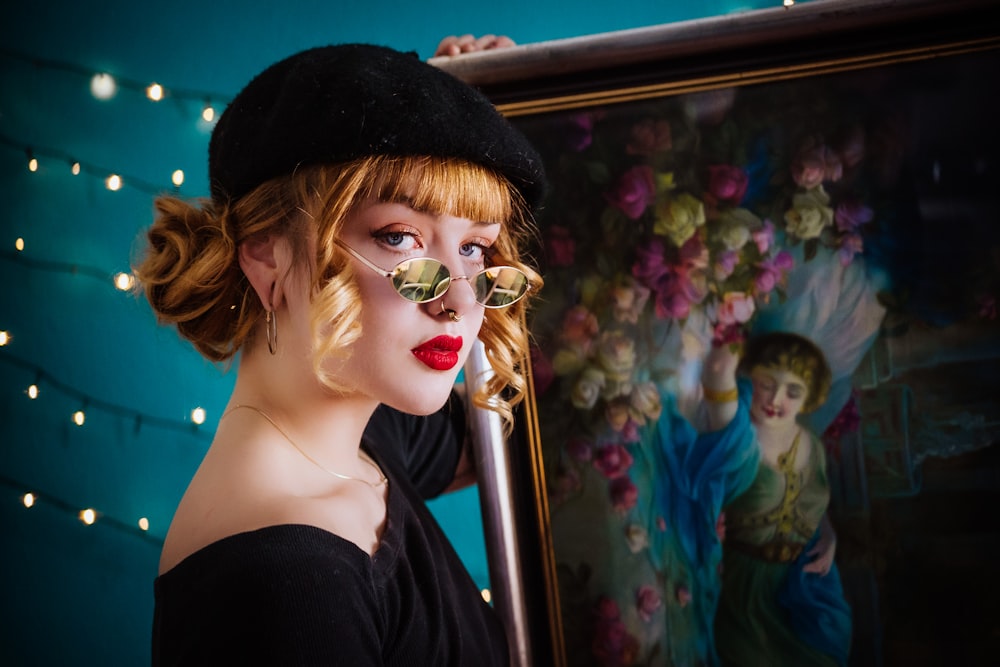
{"type": "Point", "coordinates": [424, 279]}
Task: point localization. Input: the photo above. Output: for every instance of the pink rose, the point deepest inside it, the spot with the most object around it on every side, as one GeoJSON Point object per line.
{"type": "Point", "coordinates": [634, 192]}
{"type": "Point", "coordinates": [815, 163]}
{"type": "Point", "coordinates": [736, 308]}
{"type": "Point", "coordinates": [650, 265]}
{"type": "Point", "coordinates": [726, 183]}
{"type": "Point", "coordinates": [579, 131]}
{"type": "Point", "coordinates": [764, 237]}
{"type": "Point", "coordinates": [647, 602]}
{"type": "Point", "coordinates": [613, 461]}
{"type": "Point", "coordinates": [624, 494]}
{"type": "Point", "coordinates": [579, 327]}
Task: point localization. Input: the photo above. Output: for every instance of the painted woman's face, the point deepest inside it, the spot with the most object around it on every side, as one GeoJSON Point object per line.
{"type": "Point", "coordinates": [778, 396]}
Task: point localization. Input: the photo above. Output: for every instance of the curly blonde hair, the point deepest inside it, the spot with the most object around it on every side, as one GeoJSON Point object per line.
{"type": "Point", "coordinates": [191, 276]}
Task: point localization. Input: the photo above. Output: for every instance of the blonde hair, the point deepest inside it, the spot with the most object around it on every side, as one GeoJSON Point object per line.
{"type": "Point", "coordinates": [192, 279]}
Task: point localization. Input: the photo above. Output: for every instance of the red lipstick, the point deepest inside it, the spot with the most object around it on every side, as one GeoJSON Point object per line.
{"type": "Point", "coordinates": [440, 352]}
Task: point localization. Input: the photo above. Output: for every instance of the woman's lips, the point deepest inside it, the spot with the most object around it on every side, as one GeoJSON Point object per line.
{"type": "Point", "coordinates": [440, 352]}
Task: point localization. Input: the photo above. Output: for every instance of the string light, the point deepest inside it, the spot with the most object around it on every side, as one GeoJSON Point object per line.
{"type": "Point", "coordinates": [5, 338]}
{"type": "Point", "coordinates": [177, 178]}
{"type": "Point", "coordinates": [79, 417]}
{"type": "Point", "coordinates": [19, 244]}
{"type": "Point", "coordinates": [788, 3]}
{"type": "Point", "coordinates": [124, 281]}
{"type": "Point", "coordinates": [113, 182]}
{"type": "Point", "coordinates": [154, 92]}
{"type": "Point", "coordinates": [103, 86]}
{"type": "Point", "coordinates": [198, 416]}
{"type": "Point", "coordinates": [32, 161]}
{"type": "Point", "coordinates": [144, 524]}
{"type": "Point", "coordinates": [77, 167]}
{"type": "Point", "coordinates": [88, 516]}
{"type": "Point", "coordinates": [28, 499]}
{"type": "Point", "coordinates": [208, 112]}
{"type": "Point", "coordinates": [32, 391]}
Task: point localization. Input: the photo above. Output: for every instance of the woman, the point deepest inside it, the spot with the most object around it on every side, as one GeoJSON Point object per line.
{"type": "Point", "coordinates": [364, 229]}
{"type": "Point", "coordinates": [781, 601]}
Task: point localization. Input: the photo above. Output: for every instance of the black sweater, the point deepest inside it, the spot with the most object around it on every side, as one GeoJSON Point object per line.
{"type": "Point", "coordinates": [299, 595]}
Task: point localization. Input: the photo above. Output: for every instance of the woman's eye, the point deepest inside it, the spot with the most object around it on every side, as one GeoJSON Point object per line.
{"type": "Point", "coordinates": [397, 240]}
{"type": "Point", "coordinates": [473, 251]}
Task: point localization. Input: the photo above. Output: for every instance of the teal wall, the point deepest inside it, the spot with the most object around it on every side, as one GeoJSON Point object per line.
{"type": "Point", "coordinates": [72, 594]}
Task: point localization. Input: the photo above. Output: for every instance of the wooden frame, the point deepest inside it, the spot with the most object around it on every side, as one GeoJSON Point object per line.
{"type": "Point", "coordinates": [907, 57]}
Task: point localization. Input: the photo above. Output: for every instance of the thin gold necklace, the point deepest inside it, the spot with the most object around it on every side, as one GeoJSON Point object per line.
{"type": "Point", "coordinates": [382, 478]}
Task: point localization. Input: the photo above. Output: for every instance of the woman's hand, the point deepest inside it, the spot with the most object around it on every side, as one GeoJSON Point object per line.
{"type": "Point", "coordinates": [453, 45]}
{"type": "Point", "coordinates": [824, 550]}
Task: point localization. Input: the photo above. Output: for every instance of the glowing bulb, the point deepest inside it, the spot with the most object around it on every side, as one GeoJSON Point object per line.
{"type": "Point", "coordinates": [32, 391]}
{"type": "Point", "coordinates": [208, 113]}
{"type": "Point", "coordinates": [144, 523]}
{"type": "Point", "coordinates": [79, 417]}
{"type": "Point", "coordinates": [28, 499]}
{"type": "Point", "coordinates": [154, 92]}
{"type": "Point", "coordinates": [33, 164]}
{"type": "Point", "coordinates": [124, 281]}
{"type": "Point", "coordinates": [487, 596]}
{"type": "Point", "coordinates": [103, 86]}
{"type": "Point", "coordinates": [788, 3]}
{"type": "Point", "coordinates": [19, 244]}
{"type": "Point", "coordinates": [198, 415]}
{"type": "Point", "coordinates": [88, 516]}
{"type": "Point", "coordinates": [113, 182]}
{"type": "Point", "coordinates": [177, 178]}
{"type": "Point", "coordinates": [74, 167]}
{"type": "Point", "coordinates": [4, 338]}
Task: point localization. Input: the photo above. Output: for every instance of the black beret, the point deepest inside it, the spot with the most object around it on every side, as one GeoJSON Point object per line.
{"type": "Point", "coordinates": [339, 103]}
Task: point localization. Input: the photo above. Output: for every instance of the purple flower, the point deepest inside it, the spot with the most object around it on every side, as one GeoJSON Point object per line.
{"type": "Point", "coordinates": [725, 264]}
{"type": "Point", "coordinates": [650, 267]}
{"type": "Point", "coordinates": [850, 245]}
{"type": "Point", "coordinates": [634, 191]}
{"type": "Point", "coordinates": [727, 184]}
{"type": "Point", "coordinates": [764, 237]}
{"type": "Point", "coordinates": [850, 215]}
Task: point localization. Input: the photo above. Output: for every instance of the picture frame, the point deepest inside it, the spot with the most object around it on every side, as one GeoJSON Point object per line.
{"type": "Point", "coordinates": [823, 169]}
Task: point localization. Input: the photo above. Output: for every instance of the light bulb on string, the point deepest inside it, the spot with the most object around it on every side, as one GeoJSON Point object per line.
{"type": "Point", "coordinates": [124, 281]}
{"type": "Point", "coordinates": [28, 499]}
{"type": "Point", "coordinates": [79, 417]}
{"type": "Point", "coordinates": [103, 86]}
{"type": "Point", "coordinates": [788, 3]}
{"type": "Point", "coordinates": [143, 523]}
{"type": "Point", "coordinates": [32, 161]}
{"type": "Point", "coordinates": [113, 182]}
{"type": "Point", "coordinates": [177, 178]}
{"type": "Point", "coordinates": [88, 516]}
{"type": "Point", "coordinates": [74, 167]}
{"type": "Point", "coordinates": [19, 244]}
{"type": "Point", "coordinates": [198, 416]}
{"type": "Point", "coordinates": [5, 338]}
{"type": "Point", "coordinates": [208, 112]}
{"type": "Point", "coordinates": [32, 391]}
{"type": "Point", "coordinates": [154, 92]}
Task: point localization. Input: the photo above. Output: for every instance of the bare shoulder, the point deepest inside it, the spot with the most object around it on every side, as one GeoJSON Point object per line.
{"type": "Point", "coordinates": [230, 496]}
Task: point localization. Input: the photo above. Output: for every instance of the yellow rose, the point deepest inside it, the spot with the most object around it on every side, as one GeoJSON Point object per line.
{"type": "Point", "coordinates": [809, 214]}
{"type": "Point", "coordinates": [587, 389]}
{"type": "Point", "coordinates": [678, 218]}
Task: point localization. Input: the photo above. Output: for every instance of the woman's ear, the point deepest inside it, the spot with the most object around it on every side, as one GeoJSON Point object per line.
{"type": "Point", "coordinates": [265, 260]}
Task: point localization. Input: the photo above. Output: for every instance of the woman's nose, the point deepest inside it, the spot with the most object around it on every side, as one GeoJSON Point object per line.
{"type": "Point", "coordinates": [457, 300]}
